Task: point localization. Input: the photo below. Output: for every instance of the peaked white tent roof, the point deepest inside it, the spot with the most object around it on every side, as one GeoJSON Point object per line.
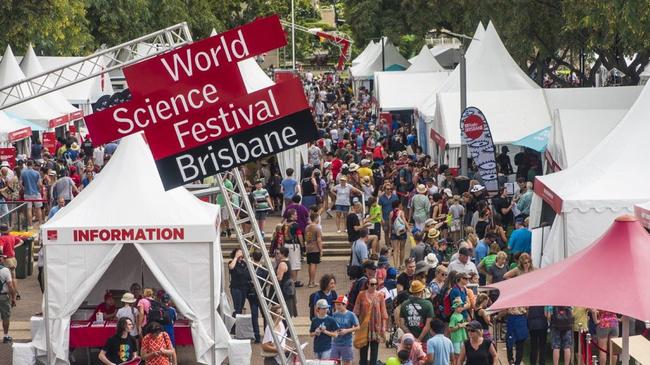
{"type": "Point", "coordinates": [391, 59]}
{"type": "Point", "coordinates": [404, 90]}
{"type": "Point", "coordinates": [31, 66]}
{"type": "Point", "coordinates": [9, 124]}
{"type": "Point", "coordinates": [497, 86]}
{"type": "Point", "coordinates": [605, 183]}
{"type": "Point", "coordinates": [193, 277]}
{"type": "Point", "coordinates": [427, 107]}
{"type": "Point", "coordinates": [582, 117]}
{"type": "Point", "coordinates": [424, 62]}
{"type": "Point", "coordinates": [361, 58]}
{"type": "Point", "coordinates": [36, 110]}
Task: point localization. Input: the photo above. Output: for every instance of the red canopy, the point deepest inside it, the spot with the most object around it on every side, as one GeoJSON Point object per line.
{"type": "Point", "coordinates": [611, 274]}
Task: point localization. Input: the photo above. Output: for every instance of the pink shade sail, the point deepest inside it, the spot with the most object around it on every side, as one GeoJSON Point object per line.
{"type": "Point", "coordinates": [611, 274]}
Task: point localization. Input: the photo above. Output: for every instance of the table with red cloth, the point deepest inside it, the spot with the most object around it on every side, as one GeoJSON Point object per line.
{"type": "Point", "coordinates": [89, 334]}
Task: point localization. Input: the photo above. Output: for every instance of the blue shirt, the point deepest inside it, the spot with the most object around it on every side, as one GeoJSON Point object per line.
{"type": "Point", "coordinates": [289, 187]}
{"type": "Point", "coordinates": [441, 348]}
{"type": "Point", "coordinates": [359, 252]}
{"type": "Point", "coordinates": [344, 321]}
{"type": "Point", "coordinates": [387, 205]}
{"type": "Point", "coordinates": [480, 251]}
{"type": "Point", "coordinates": [520, 240]}
{"type": "Point", "coordinates": [323, 342]}
{"type": "Point", "coordinates": [53, 211]}
{"type": "Point", "coordinates": [30, 179]}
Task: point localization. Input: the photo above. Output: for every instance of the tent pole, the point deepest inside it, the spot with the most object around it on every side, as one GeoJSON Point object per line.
{"type": "Point", "coordinates": [625, 357]}
{"type": "Point", "coordinates": [46, 310]}
{"type": "Point", "coordinates": [566, 244]}
{"type": "Point", "coordinates": [213, 308]}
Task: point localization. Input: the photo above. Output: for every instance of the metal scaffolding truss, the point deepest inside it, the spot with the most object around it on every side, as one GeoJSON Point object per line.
{"type": "Point", "coordinates": [100, 62]}
{"type": "Point", "coordinates": [267, 287]}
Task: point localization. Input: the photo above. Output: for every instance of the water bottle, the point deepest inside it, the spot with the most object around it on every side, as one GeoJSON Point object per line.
{"type": "Point", "coordinates": [100, 317]}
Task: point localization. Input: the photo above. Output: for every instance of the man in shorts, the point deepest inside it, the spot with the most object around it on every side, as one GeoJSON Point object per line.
{"type": "Point", "coordinates": [7, 297]}
{"type": "Point", "coordinates": [561, 323]}
{"type": "Point", "coordinates": [9, 244]}
{"type": "Point", "coordinates": [31, 182]}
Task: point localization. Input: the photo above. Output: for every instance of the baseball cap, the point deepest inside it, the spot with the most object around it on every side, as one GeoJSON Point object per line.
{"type": "Point", "coordinates": [473, 326]}
{"type": "Point", "coordinates": [322, 304]}
{"type": "Point", "coordinates": [370, 265]}
{"type": "Point", "coordinates": [341, 299]}
{"type": "Point", "coordinates": [465, 251]}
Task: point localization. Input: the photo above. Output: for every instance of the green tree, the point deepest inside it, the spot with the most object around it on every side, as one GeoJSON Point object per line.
{"type": "Point", "coordinates": [55, 27]}
{"type": "Point", "coordinates": [117, 21]}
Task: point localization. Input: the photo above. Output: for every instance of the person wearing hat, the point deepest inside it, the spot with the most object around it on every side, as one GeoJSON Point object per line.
{"type": "Point", "coordinates": [128, 311]}
{"type": "Point", "coordinates": [72, 153]}
{"type": "Point", "coordinates": [370, 308]}
{"type": "Point", "coordinates": [347, 322]}
{"type": "Point", "coordinates": [343, 191]}
{"type": "Point", "coordinates": [365, 170]}
{"type": "Point", "coordinates": [457, 325]}
{"type": "Point", "coordinates": [416, 312]}
{"type": "Point", "coordinates": [8, 294]}
{"type": "Point", "coordinates": [369, 272]}
{"type": "Point", "coordinates": [420, 207]}
{"type": "Point", "coordinates": [166, 301]}
{"type": "Point", "coordinates": [462, 263]}
{"type": "Point", "coordinates": [323, 328]}
{"type": "Point", "coordinates": [481, 350]}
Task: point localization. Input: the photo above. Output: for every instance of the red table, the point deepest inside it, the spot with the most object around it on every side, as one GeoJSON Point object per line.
{"type": "Point", "coordinates": [88, 334]}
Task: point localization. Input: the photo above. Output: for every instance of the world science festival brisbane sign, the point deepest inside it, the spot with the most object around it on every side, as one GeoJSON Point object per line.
{"type": "Point", "coordinates": [196, 113]}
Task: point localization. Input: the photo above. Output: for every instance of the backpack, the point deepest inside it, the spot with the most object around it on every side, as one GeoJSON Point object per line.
{"type": "Point", "coordinates": [399, 227]}
{"type": "Point", "coordinates": [354, 291]}
{"type": "Point", "coordinates": [562, 318]}
{"type": "Point", "coordinates": [313, 298]}
{"type": "Point", "coordinates": [158, 313]}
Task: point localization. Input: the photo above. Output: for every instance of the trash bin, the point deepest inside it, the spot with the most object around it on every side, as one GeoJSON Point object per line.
{"type": "Point", "coordinates": [21, 264]}
{"type": "Point", "coordinates": [29, 251]}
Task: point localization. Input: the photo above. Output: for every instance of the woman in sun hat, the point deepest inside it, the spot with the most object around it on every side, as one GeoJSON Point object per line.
{"type": "Point", "coordinates": [128, 311]}
{"type": "Point", "coordinates": [420, 207]}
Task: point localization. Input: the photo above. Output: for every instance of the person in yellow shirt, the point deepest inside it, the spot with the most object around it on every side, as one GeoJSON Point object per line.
{"type": "Point", "coordinates": [375, 218]}
{"type": "Point", "coordinates": [365, 170]}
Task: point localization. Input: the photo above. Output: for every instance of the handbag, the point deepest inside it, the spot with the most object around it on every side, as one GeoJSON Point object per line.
{"type": "Point", "coordinates": [288, 288]}
{"type": "Point", "coordinates": [399, 227]}
{"type": "Point", "coordinates": [361, 335]}
{"type": "Point", "coordinates": [353, 271]}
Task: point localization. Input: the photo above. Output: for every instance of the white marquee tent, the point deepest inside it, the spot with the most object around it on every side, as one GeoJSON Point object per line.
{"type": "Point", "coordinates": [404, 90]}
{"type": "Point", "coordinates": [187, 266]}
{"type": "Point", "coordinates": [361, 58]}
{"type": "Point", "coordinates": [36, 110]}
{"type": "Point", "coordinates": [392, 61]}
{"type": "Point", "coordinates": [31, 66]}
{"type": "Point", "coordinates": [604, 184]}
{"type": "Point", "coordinates": [424, 62]}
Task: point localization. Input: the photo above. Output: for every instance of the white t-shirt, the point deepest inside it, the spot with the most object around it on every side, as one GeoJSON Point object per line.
{"type": "Point", "coordinates": [458, 266]}
{"type": "Point", "coordinates": [268, 337]}
{"type": "Point", "coordinates": [5, 277]}
{"type": "Point", "coordinates": [343, 194]}
{"type": "Point", "coordinates": [128, 312]}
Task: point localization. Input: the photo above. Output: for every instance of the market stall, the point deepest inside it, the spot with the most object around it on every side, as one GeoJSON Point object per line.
{"type": "Point", "coordinates": [124, 228]}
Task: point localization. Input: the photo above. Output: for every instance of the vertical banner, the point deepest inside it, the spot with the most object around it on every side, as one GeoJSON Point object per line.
{"type": "Point", "coordinates": [475, 131]}
{"type": "Point", "coordinates": [49, 142]}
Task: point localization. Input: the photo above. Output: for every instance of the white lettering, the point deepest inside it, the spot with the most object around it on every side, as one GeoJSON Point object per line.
{"type": "Point", "coordinates": [189, 165]}
{"type": "Point", "coordinates": [187, 67]}
{"type": "Point", "coordinates": [179, 134]}
{"type": "Point", "coordinates": [288, 132]}
{"type": "Point", "coordinates": [123, 120]}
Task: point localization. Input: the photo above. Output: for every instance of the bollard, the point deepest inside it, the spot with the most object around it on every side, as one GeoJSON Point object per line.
{"type": "Point", "coordinates": [588, 347]}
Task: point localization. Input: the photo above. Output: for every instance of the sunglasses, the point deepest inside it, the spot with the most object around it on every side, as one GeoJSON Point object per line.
{"type": "Point", "coordinates": [444, 274]}
{"type": "Point", "coordinates": [372, 284]}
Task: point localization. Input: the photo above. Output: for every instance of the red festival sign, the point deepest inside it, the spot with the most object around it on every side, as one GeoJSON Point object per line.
{"type": "Point", "coordinates": [19, 134]}
{"type": "Point", "coordinates": [49, 142]}
{"type": "Point", "coordinates": [194, 96]}
{"type": "Point", "coordinates": [8, 154]}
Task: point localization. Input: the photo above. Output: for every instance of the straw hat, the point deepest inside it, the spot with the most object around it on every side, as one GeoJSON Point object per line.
{"type": "Point", "coordinates": [421, 189]}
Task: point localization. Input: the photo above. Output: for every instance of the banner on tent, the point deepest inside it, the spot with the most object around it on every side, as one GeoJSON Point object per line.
{"type": "Point", "coordinates": [140, 234]}
{"type": "Point", "coordinates": [548, 195]}
{"type": "Point", "coordinates": [475, 131]}
{"type": "Point", "coordinates": [436, 137]}
{"type": "Point", "coordinates": [192, 102]}
{"type": "Point", "coordinates": [8, 154]}
{"type": "Point", "coordinates": [49, 142]}
{"type": "Point", "coordinates": [19, 134]}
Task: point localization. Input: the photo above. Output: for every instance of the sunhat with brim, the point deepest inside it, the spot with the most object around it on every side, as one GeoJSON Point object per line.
{"type": "Point", "coordinates": [416, 287]}
{"type": "Point", "coordinates": [433, 233]}
{"type": "Point", "coordinates": [421, 189]}
{"type": "Point", "coordinates": [128, 298]}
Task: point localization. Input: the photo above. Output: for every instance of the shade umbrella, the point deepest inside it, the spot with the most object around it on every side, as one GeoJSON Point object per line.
{"type": "Point", "coordinates": [611, 274]}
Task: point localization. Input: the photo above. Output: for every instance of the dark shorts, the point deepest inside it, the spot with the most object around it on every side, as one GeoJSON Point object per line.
{"type": "Point", "coordinates": [376, 229]}
{"type": "Point", "coordinates": [342, 208]}
{"type": "Point", "coordinates": [561, 339]}
{"type": "Point", "coordinates": [313, 257]}
{"type": "Point", "coordinates": [261, 214]}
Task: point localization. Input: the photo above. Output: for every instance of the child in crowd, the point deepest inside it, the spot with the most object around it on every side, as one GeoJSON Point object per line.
{"type": "Point", "coordinates": [457, 325]}
{"type": "Point", "coordinates": [403, 357]}
{"type": "Point", "coordinates": [323, 328]}
{"type": "Point", "coordinates": [347, 322]}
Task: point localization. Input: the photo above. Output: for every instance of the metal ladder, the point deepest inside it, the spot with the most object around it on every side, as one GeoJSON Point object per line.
{"type": "Point", "coordinates": [95, 65]}
{"type": "Point", "coordinates": [241, 212]}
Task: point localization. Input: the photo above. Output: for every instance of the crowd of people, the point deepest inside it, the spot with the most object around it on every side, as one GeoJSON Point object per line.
{"type": "Point", "coordinates": [422, 242]}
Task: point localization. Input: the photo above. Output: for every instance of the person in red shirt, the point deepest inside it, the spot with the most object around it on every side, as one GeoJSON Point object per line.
{"type": "Point", "coordinates": [335, 163]}
{"type": "Point", "coordinates": [107, 307]}
{"type": "Point", "coordinates": [9, 244]}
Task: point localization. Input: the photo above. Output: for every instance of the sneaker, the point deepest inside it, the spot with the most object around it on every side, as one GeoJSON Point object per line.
{"type": "Point", "coordinates": [299, 284]}
{"type": "Point", "coordinates": [7, 339]}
